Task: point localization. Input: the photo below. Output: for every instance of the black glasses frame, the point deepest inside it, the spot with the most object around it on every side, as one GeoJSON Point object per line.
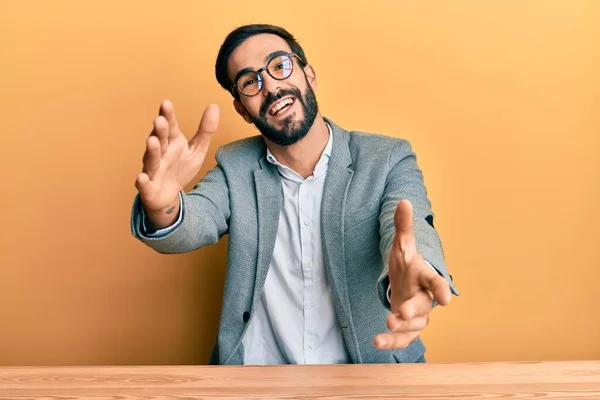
{"type": "Point", "coordinates": [291, 56]}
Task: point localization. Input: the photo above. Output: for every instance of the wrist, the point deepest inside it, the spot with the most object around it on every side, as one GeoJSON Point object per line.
{"type": "Point", "coordinates": [164, 217]}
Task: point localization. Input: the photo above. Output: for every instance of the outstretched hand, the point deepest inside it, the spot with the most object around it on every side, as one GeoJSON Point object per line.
{"type": "Point", "coordinates": [414, 285]}
{"type": "Point", "coordinates": [171, 162]}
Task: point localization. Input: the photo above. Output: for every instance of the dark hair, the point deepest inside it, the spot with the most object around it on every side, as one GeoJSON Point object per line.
{"type": "Point", "coordinates": [238, 36]}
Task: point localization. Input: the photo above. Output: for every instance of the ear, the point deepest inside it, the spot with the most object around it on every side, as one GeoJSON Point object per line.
{"type": "Point", "coordinates": [311, 76]}
{"type": "Point", "coordinates": [239, 107]}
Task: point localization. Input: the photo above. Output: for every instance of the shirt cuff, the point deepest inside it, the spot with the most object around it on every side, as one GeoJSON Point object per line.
{"type": "Point", "coordinates": [163, 231]}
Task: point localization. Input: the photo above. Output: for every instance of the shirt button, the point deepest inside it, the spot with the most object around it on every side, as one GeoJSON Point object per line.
{"type": "Point", "coordinates": [306, 222]}
{"type": "Point", "coordinates": [312, 303]}
{"type": "Point", "coordinates": [311, 346]}
{"type": "Point", "coordinates": [309, 264]}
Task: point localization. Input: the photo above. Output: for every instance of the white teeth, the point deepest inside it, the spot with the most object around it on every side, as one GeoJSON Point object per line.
{"type": "Point", "coordinates": [278, 106]}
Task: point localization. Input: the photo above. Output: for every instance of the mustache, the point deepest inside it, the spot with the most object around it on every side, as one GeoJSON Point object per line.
{"type": "Point", "coordinates": [272, 98]}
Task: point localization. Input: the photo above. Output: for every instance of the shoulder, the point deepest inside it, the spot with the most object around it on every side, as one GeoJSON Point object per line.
{"type": "Point", "coordinates": [378, 147]}
{"type": "Point", "coordinates": [241, 152]}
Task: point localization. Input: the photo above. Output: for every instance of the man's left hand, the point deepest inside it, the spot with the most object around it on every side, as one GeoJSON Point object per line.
{"type": "Point", "coordinates": [414, 285]}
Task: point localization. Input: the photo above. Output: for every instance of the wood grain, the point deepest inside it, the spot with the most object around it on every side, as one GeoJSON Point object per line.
{"type": "Point", "coordinates": [517, 380]}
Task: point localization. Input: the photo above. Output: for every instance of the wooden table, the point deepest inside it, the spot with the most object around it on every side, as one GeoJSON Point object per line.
{"type": "Point", "coordinates": [555, 380]}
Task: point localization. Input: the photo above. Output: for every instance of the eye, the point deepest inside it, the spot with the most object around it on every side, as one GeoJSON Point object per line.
{"type": "Point", "coordinates": [279, 66]}
{"type": "Point", "coordinates": [249, 82]}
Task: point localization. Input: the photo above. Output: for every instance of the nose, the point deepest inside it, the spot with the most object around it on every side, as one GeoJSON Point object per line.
{"type": "Point", "coordinates": [270, 84]}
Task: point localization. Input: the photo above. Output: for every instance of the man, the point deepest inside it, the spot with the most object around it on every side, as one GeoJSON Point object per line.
{"type": "Point", "coordinates": [329, 230]}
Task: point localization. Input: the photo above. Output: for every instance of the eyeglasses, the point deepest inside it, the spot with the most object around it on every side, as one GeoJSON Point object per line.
{"type": "Point", "coordinates": [279, 67]}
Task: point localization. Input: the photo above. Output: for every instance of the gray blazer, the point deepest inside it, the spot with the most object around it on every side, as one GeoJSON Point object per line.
{"type": "Point", "coordinates": [241, 196]}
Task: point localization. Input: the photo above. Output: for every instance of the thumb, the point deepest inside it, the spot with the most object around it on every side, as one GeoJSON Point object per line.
{"type": "Point", "coordinates": [207, 128]}
{"type": "Point", "coordinates": [403, 221]}
{"type": "Point", "coordinates": [403, 218]}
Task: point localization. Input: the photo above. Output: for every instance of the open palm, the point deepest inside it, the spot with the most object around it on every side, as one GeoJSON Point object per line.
{"type": "Point", "coordinates": [171, 162]}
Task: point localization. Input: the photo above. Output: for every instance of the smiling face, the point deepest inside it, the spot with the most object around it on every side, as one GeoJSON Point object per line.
{"type": "Point", "coordinates": [283, 110]}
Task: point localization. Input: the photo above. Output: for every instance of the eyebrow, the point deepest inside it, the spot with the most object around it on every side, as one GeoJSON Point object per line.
{"type": "Point", "coordinates": [275, 54]}
{"type": "Point", "coordinates": [267, 58]}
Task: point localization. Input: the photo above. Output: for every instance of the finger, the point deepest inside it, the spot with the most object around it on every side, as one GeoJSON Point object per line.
{"type": "Point", "coordinates": [151, 160]}
{"type": "Point", "coordinates": [418, 305]}
{"type": "Point", "coordinates": [143, 185]}
{"type": "Point", "coordinates": [403, 221]}
{"type": "Point", "coordinates": [161, 131]}
{"type": "Point", "coordinates": [437, 285]}
{"type": "Point", "coordinates": [207, 128]}
{"type": "Point", "coordinates": [168, 111]}
{"type": "Point", "coordinates": [385, 341]}
{"type": "Point", "coordinates": [398, 325]}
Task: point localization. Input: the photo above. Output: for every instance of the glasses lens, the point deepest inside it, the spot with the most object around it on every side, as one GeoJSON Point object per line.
{"type": "Point", "coordinates": [281, 67]}
{"type": "Point", "coordinates": [249, 83]}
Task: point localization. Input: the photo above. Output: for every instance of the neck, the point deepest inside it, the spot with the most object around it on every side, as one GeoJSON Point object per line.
{"type": "Point", "coordinates": [303, 155]}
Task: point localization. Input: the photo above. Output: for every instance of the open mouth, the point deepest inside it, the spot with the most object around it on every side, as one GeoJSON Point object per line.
{"type": "Point", "coordinates": [281, 106]}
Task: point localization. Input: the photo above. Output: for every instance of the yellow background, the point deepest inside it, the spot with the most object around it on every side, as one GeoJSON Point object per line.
{"type": "Point", "coordinates": [499, 99]}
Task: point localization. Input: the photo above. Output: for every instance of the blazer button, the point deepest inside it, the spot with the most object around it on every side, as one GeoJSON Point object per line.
{"type": "Point", "coordinates": [246, 316]}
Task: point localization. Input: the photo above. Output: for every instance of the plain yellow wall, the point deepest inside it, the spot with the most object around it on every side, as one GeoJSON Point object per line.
{"type": "Point", "coordinates": [499, 99]}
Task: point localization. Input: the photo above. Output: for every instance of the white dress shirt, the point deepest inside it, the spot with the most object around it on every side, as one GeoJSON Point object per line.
{"type": "Point", "coordinates": [295, 322]}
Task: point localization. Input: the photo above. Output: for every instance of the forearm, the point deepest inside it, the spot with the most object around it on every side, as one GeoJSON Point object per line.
{"type": "Point", "coordinates": [405, 181]}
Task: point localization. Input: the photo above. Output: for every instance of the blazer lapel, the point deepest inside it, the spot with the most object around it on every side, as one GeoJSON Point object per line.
{"type": "Point", "coordinates": [269, 198]}
{"type": "Point", "coordinates": [333, 205]}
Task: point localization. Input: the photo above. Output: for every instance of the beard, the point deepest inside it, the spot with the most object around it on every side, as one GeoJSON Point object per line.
{"type": "Point", "coordinates": [293, 130]}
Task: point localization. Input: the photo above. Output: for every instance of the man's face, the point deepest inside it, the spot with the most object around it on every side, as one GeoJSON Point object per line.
{"type": "Point", "coordinates": [282, 125]}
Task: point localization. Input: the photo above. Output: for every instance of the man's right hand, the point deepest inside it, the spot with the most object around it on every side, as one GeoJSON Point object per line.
{"type": "Point", "coordinates": [171, 162]}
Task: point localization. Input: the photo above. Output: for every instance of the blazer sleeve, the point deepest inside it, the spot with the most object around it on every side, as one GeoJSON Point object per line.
{"type": "Point", "coordinates": [405, 181]}
{"type": "Point", "coordinates": [205, 216]}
